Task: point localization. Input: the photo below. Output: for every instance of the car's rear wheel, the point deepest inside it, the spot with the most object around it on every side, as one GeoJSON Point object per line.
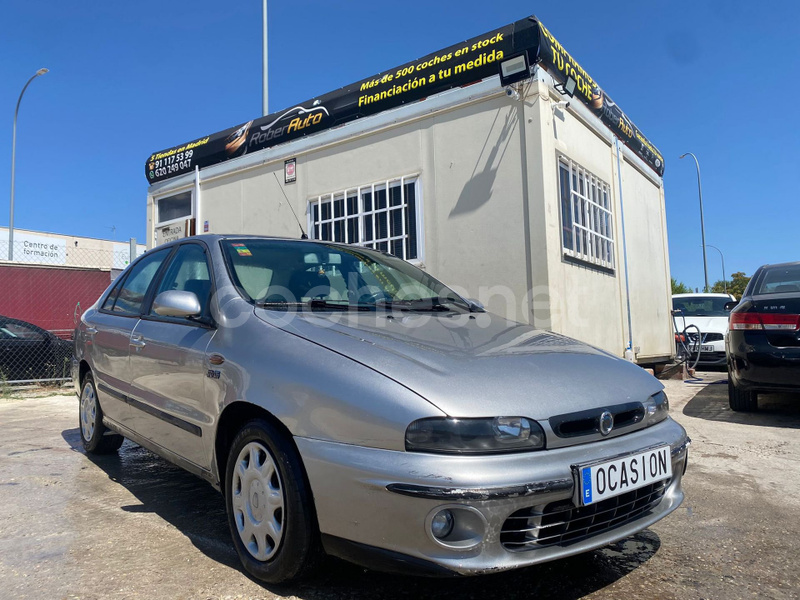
{"type": "Point", "coordinates": [269, 505]}
{"type": "Point", "coordinates": [741, 400]}
{"type": "Point", "coordinates": [96, 437]}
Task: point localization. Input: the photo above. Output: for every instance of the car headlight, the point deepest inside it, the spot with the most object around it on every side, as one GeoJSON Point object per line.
{"type": "Point", "coordinates": [656, 408]}
{"type": "Point", "coordinates": [445, 435]}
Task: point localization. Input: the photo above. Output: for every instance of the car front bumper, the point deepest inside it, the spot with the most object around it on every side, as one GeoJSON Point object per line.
{"type": "Point", "coordinates": [378, 504]}
{"type": "Point", "coordinates": [714, 357]}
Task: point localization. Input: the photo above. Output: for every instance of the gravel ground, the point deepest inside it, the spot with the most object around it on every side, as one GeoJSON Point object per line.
{"type": "Point", "coordinates": [133, 526]}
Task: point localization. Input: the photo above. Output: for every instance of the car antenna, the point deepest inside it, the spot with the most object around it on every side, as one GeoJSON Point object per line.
{"type": "Point", "coordinates": [304, 236]}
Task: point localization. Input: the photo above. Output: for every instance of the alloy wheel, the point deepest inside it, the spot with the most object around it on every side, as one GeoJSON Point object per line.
{"type": "Point", "coordinates": [258, 501]}
{"type": "Point", "coordinates": [88, 411]}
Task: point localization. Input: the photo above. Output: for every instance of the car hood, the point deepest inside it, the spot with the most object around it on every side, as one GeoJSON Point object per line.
{"type": "Point", "coordinates": [476, 365]}
{"type": "Point", "coordinates": [707, 324]}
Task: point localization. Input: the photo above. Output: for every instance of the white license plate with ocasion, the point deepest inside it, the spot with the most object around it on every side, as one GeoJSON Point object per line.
{"type": "Point", "coordinates": [603, 480]}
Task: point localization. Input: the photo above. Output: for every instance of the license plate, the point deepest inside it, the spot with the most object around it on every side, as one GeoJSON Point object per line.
{"type": "Point", "coordinates": [703, 348]}
{"type": "Point", "coordinates": [614, 477]}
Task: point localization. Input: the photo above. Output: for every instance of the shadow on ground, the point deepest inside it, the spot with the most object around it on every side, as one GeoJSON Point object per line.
{"type": "Point", "coordinates": [198, 511]}
{"type": "Point", "coordinates": [774, 410]}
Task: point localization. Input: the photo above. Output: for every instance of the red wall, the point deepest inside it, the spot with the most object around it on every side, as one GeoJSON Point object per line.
{"type": "Point", "coordinates": [47, 296]}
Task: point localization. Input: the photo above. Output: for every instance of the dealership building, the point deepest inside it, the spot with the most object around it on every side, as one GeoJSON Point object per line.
{"type": "Point", "coordinates": [496, 164]}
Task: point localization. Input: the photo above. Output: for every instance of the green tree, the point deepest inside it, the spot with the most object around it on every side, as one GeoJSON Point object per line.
{"type": "Point", "coordinates": [680, 288]}
{"type": "Point", "coordinates": [721, 287]}
{"type": "Point", "coordinates": [735, 286]}
{"type": "Point", "coordinates": [738, 284]}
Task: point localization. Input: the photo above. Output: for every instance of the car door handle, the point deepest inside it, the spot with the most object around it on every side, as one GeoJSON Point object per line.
{"type": "Point", "coordinates": [91, 330]}
{"type": "Point", "coordinates": [137, 341]}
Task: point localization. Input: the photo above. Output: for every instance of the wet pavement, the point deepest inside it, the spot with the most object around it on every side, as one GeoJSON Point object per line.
{"type": "Point", "coordinates": [134, 526]}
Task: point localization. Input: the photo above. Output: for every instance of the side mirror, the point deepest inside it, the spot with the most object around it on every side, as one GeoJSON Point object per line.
{"type": "Point", "coordinates": [475, 306]}
{"type": "Point", "coordinates": [177, 303]}
{"type": "Point", "coordinates": [729, 306]}
{"type": "Point", "coordinates": [677, 312]}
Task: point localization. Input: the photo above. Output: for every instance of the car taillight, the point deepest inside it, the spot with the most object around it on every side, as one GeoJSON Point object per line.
{"type": "Point", "coordinates": [765, 321]}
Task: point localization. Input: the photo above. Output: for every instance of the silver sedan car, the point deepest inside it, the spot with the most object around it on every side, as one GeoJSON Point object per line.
{"type": "Point", "coordinates": [346, 402]}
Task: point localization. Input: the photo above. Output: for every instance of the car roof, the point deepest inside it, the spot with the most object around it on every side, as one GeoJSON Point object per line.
{"type": "Point", "coordinates": [700, 294]}
{"type": "Point", "coordinates": [781, 265]}
{"type": "Point", "coordinates": [211, 238]}
{"type": "Point", "coordinates": [5, 319]}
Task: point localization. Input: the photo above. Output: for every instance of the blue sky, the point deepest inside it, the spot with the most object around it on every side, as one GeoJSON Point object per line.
{"type": "Point", "coordinates": [715, 78]}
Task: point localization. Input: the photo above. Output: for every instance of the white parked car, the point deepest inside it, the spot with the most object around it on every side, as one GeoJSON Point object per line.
{"type": "Point", "coordinates": [707, 312]}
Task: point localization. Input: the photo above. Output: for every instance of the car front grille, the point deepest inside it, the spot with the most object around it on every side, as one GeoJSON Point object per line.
{"type": "Point", "coordinates": [587, 422]}
{"type": "Point", "coordinates": [560, 523]}
{"type": "Point", "coordinates": [707, 337]}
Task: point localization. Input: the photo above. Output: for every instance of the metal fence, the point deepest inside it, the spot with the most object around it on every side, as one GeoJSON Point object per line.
{"type": "Point", "coordinates": [43, 291]}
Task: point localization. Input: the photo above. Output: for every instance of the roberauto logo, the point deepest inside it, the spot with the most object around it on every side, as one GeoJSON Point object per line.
{"type": "Point", "coordinates": [294, 119]}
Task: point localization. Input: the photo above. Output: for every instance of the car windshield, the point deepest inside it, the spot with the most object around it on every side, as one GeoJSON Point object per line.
{"type": "Point", "coordinates": [283, 274]}
{"type": "Point", "coordinates": [701, 306]}
{"type": "Point", "coordinates": [779, 280]}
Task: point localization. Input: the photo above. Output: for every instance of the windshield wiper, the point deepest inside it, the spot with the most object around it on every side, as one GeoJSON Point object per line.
{"type": "Point", "coordinates": [419, 304]}
{"type": "Point", "coordinates": [313, 303]}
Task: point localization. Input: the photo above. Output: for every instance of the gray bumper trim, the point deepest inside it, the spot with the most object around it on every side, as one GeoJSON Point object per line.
{"type": "Point", "coordinates": [517, 491]}
{"type": "Point", "coordinates": [677, 450]}
{"type": "Point", "coordinates": [444, 493]}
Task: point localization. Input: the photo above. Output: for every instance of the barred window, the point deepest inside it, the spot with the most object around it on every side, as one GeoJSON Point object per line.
{"type": "Point", "coordinates": [586, 219]}
{"type": "Point", "coordinates": [380, 215]}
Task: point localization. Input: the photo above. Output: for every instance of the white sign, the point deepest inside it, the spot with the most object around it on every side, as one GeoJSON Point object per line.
{"type": "Point", "coordinates": [170, 233]}
{"type": "Point", "coordinates": [122, 255]}
{"type": "Point", "coordinates": [38, 249]}
{"type": "Point", "coordinates": [290, 170]}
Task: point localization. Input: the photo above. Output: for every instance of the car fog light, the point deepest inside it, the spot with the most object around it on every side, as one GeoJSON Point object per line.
{"type": "Point", "coordinates": [442, 524]}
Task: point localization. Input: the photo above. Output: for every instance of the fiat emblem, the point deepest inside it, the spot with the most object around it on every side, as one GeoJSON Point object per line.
{"type": "Point", "coordinates": [606, 422]}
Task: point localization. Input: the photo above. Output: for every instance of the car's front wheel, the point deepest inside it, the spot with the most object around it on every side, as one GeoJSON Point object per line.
{"type": "Point", "coordinates": [269, 504]}
{"type": "Point", "coordinates": [741, 400]}
{"type": "Point", "coordinates": [96, 437]}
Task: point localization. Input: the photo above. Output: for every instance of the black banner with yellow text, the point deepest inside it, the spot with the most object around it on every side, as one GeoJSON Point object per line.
{"type": "Point", "coordinates": [560, 64]}
{"type": "Point", "coordinates": [458, 65]}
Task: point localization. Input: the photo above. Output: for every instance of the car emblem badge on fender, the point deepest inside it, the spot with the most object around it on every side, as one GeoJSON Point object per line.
{"type": "Point", "coordinates": [606, 422]}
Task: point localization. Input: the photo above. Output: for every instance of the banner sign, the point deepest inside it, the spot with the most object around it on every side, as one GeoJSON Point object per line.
{"type": "Point", "coordinates": [455, 66]}
{"type": "Point", "coordinates": [35, 249]}
{"type": "Point", "coordinates": [560, 64]}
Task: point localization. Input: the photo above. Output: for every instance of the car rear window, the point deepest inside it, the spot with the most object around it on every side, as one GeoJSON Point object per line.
{"type": "Point", "coordinates": [779, 280]}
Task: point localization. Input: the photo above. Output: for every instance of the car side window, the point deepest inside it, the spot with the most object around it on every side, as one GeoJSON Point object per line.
{"type": "Point", "coordinates": [134, 289]}
{"type": "Point", "coordinates": [188, 271]}
{"type": "Point", "coordinates": [19, 331]}
{"type": "Point", "coordinates": [112, 296]}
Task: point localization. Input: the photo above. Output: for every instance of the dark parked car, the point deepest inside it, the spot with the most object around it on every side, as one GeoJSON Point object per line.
{"type": "Point", "coordinates": [763, 345]}
{"type": "Point", "coordinates": [30, 352]}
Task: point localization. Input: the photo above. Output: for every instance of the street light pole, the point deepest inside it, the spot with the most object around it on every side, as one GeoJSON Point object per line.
{"type": "Point", "coordinates": [702, 225]}
{"type": "Point", "coordinates": [13, 164]}
{"type": "Point", "coordinates": [724, 281]}
{"type": "Point", "coordinates": [265, 66]}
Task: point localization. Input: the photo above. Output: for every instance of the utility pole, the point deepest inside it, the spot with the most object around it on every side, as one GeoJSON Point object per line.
{"type": "Point", "coordinates": [702, 225]}
{"type": "Point", "coordinates": [38, 73]}
{"type": "Point", "coordinates": [265, 67]}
